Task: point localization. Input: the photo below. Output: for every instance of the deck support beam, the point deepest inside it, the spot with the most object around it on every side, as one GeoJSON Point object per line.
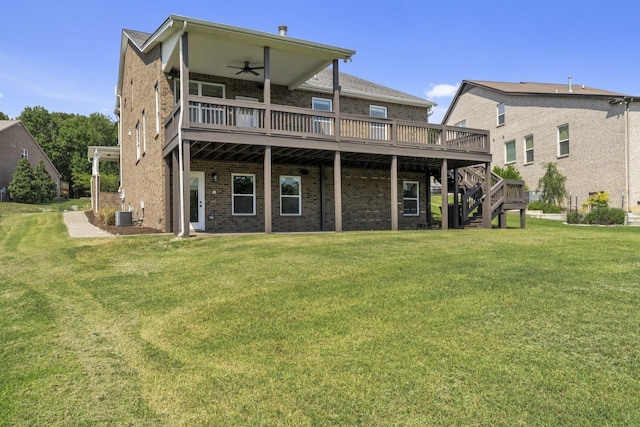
{"type": "Point", "coordinates": [267, 191]}
{"type": "Point", "coordinates": [337, 190]}
{"type": "Point", "coordinates": [486, 204]}
{"type": "Point", "coordinates": [394, 193]}
{"type": "Point", "coordinates": [445, 194]}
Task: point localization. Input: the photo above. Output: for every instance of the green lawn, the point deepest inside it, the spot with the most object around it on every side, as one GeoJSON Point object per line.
{"type": "Point", "coordinates": [477, 327]}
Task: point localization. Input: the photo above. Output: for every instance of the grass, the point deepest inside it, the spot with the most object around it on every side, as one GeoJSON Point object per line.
{"type": "Point", "coordinates": [479, 327]}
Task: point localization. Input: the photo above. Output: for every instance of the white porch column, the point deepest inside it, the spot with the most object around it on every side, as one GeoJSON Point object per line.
{"type": "Point", "coordinates": [267, 190]}
{"type": "Point", "coordinates": [394, 193]}
{"type": "Point", "coordinates": [337, 190]}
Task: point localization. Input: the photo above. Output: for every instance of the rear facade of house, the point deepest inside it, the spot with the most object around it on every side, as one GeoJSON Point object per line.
{"type": "Point", "coordinates": [592, 134]}
{"type": "Point", "coordinates": [267, 135]}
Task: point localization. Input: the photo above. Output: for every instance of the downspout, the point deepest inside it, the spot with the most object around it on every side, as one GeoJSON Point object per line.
{"type": "Point", "coordinates": [626, 152]}
{"type": "Point", "coordinates": [180, 151]}
{"type": "Point", "coordinates": [120, 189]}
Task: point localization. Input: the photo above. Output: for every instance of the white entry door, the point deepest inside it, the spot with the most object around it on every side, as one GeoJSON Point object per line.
{"type": "Point", "coordinates": [196, 198]}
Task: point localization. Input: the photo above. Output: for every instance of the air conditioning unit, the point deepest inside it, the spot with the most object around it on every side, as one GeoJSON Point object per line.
{"type": "Point", "coordinates": [124, 218]}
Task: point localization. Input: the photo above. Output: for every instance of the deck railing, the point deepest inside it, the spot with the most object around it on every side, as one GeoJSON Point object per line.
{"type": "Point", "coordinates": [247, 116]}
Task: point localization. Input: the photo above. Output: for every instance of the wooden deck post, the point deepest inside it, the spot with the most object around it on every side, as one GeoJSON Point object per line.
{"type": "Point", "coordinates": [486, 204]}
{"type": "Point", "coordinates": [394, 193]}
{"type": "Point", "coordinates": [336, 99]}
{"type": "Point", "coordinates": [267, 190]}
{"type": "Point", "coordinates": [429, 213]}
{"type": "Point", "coordinates": [456, 199]}
{"type": "Point", "coordinates": [186, 152]}
{"type": "Point", "coordinates": [267, 90]}
{"type": "Point", "coordinates": [337, 190]}
{"type": "Point", "coordinates": [445, 195]}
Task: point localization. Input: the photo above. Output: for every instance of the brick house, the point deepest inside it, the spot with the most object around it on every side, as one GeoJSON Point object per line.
{"type": "Point", "coordinates": [592, 134]}
{"type": "Point", "coordinates": [266, 134]}
{"type": "Point", "coordinates": [17, 143]}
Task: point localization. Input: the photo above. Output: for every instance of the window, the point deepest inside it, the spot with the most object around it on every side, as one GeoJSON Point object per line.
{"type": "Point", "coordinates": [157, 108]}
{"type": "Point", "coordinates": [247, 117]}
{"type": "Point", "coordinates": [501, 114]}
{"type": "Point", "coordinates": [378, 130]}
{"type": "Point", "coordinates": [411, 198]}
{"type": "Point", "coordinates": [290, 195]}
{"type": "Point", "coordinates": [563, 140]}
{"type": "Point", "coordinates": [528, 149]}
{"type": "Point", "coordinates": [510, 152]}
{"type": "Point", "coordinates": [203, 112]}
{"type": "Point", "coordinates": [322, 125]}
{"type": "Point", "coordinates": [243, 199]}
{"type": "Point", "coordinates": [461, 123]}
{"type": "Point", "coordinates": [138, 141]}
{"type": "Point", "coordinates": [144, 133]}
{"type": "Point", "coordinates": [24, 153]}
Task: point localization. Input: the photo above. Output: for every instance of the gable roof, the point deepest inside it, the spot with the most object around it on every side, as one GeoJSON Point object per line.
{"type": "Point", "coordinates": [6, 124]}
{"type": "Point", "coordinates": [360, 88]}
{"type": "Point", "coordinates": [534, 89]}
{"type": "Point", "coordinates": [299, 58]}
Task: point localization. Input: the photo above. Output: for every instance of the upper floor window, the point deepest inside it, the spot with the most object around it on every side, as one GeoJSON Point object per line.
{"type": "Point", "coordinates": [196, 88]}
{"type": "Point", "coordinates": [378, 130]}
{"type": "Point", "coordinates": [290, 195]}
{"type": "Point", "coordinates": [528, 149]}
{"type": "Point", "coordinates": [510, 152]}
{"type": "Point", "coordinates": [563, 140]}
{"type": "Point", "coordinates": [243, 199]}
{"type": "Point", "coordinates": [24, 153]}
{"type": "Point", "coordinates": [144, 133]}
{"type": "Point", "coordinates": [138, 149]}
{"type": "Point", "coordinates": [461, 124]}
{"type": "Point", "coordinates": [411, 198]}
{"type": "Point", "coordinates": [322, 125]}
{"type": "Point", "coordinates": [157, 91]}
{"type": "Point", "coordinates": [500, 114]}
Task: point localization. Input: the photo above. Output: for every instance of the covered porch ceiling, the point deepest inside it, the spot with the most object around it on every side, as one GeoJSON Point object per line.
{"type": "Point", "coordinates": [214, 48]}
{"type": "Point", "coordinates": [232, 152]}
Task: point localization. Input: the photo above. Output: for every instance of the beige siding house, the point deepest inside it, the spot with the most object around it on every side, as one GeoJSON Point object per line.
{"type": "Point", "coordinates": [225, 129]}
{"type": "Point", "coordinates": [592, 134]}
{"type": "Point", "coordinates": [16, 143]}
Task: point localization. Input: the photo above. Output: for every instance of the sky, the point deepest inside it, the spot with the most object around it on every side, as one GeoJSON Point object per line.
{"type": "Point", "coordinates": [64, 55]}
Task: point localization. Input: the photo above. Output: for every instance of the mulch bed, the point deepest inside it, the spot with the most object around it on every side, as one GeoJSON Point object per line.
{"type": "Point", "coordinates": [122, 231]}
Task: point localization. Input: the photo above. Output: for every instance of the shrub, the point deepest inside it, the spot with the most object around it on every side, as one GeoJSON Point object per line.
{"type": "Point", "coordinates": [508, 172]}
{"type": "Point", "coordinates": [552, 184]}
{"type": "Point", "coordinates": [575, 217]}
{"type": "Point", "coordinates": [598, 200]}
{"type": "Point", "coordinates": [107, 216]}
{"type": "Point", "coordinates": [539, 205]}
{"type": "Point", "coordinates": [605, 216]}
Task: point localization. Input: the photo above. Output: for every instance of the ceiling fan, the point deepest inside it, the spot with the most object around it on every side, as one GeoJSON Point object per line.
{"type": "Point", "coordinates": [247, 69]}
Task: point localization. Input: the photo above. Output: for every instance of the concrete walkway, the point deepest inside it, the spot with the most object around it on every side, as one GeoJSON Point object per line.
{"type": "Point", "coordinates": [78, 226]}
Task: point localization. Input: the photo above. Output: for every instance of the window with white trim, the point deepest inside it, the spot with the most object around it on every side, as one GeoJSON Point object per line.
{"type": "Point", "coordinates": [24, 153]}
{"type": "Point", "coordinates": [461, 123]}
{"type": "Point", "coordinates": [510, 152]}
{"type": "Point", "coordinates": [157, 91]}
{"type": "Point", "coordinates": [204, 112]}
{"type": "Point", "coordinates": [322, 125]}
{"type": "Point", "coordinates": [144, 133]}
{"type": "Point", "coordinates": [290, 195]}
{"type": "Point", "coordinates": [138, 141]}
{"type": "Point", "coordinates": [528, 149]}
{"type": "Point", "coordinates": [563, 140]}
{"type": "Point", "coordinates": [501, 117]}
{"type": "Point", "coordinates": [378, 130]}
{"type": "Point", "coordinates": [243, 197]}
{"type": "Point", "coordinates": [411, 198]}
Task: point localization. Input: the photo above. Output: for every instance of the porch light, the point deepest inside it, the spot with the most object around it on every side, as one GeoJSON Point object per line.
{"type": "Point", "coordinates": [214, 176]}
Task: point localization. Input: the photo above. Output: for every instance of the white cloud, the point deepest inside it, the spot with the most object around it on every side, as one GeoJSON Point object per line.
{"type": "Point", "coordinates": [442, 91]}
{"type": "Point", "coordinates": [1, 94]}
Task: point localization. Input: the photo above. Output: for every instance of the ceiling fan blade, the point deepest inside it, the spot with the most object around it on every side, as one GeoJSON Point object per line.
{"type": "Point", "coordinates": [253, 72]}
{"type": "Point", "coordinates": [241, 71]}
{"type": "Point", "coordinates": [257, 68]}
{"type": "Point", "coordinates": [239, 68]}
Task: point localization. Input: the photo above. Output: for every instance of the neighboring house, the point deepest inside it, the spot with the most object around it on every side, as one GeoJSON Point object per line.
{"type": "Point", "coordinates": [225, 129]}
{"type": "Point", "coordinates": [592, 134]}
{"type": "Point", "coordinates": [17, 143]}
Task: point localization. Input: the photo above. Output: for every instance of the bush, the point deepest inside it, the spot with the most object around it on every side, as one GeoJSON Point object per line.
{"type": "Point", "coordinates": [544, 207]}
{"type": "Point", "coordinates": [107, 216]}
{"type": "Point", "coordinates": [605, 216]}
{"type": "Point", "coordinates": [575, 217]}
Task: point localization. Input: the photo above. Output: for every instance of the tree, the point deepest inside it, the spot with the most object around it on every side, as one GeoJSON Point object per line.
{"type": "Point", "coordinates": [3, 116]}
{"type": "Point", "coordinates": [21, 186]}
{"type": "Point", "coordinates": [508, 172]}
{"type": "Point", "coordinates": [43, 186]}
{"type": "Point", "coordinates": [552, 185]}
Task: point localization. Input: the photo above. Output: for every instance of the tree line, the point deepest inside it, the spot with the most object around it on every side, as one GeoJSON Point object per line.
{"type": "Point", "coordinates": [65, 139]}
